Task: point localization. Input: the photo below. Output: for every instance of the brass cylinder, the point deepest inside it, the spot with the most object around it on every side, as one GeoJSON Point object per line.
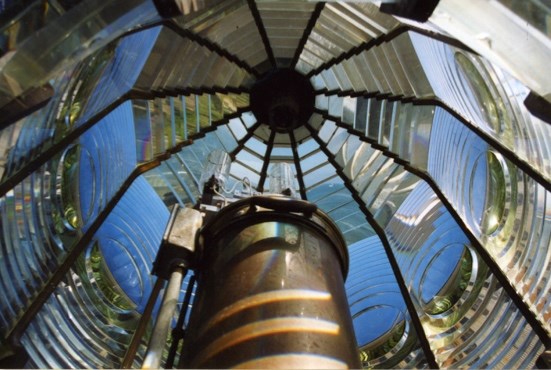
{"type": "Point", "coordinates": [271, 291]}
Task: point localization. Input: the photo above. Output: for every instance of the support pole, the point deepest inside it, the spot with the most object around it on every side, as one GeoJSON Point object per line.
{"type": "Point", "coordinates": [157, 342]}
{"type": "Point", "coordinates": [174, 258]}
{"type": "Point", "coordinates": [128, 359]}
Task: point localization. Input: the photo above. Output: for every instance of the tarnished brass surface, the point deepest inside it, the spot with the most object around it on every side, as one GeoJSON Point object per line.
{"type": "Point", "coordinates": [270, 292]}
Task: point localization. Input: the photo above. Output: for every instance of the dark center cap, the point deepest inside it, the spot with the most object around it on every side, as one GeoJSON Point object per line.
{"type": "Point", "coordinates": [284, 99]}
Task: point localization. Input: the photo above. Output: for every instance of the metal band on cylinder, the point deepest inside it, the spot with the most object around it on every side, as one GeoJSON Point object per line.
{"type": "Point", "coordinates": [270, 290]}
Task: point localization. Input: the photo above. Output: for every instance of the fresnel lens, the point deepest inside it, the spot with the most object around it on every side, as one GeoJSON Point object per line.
{"type": "Point", "coordinates": [270, 273]}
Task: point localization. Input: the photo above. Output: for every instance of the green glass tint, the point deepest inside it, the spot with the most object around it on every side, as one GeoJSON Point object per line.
{"type": "Point", "coordinates": [103, 280]}
{"type": "Point", "coordinates": [421, 151]}
{"type": "Point", "coordinates": [80, 92]}
{"type": "Point", "coordinates": [489, 181]}
{"type": "Point", "coordinates": [490, 103]}
{"type": "Point", "coordinates": [382, 345]}
{"type": "Point", "coordinates": [442, 286]}
{"type": "Point", "coordinates": [67, 183]}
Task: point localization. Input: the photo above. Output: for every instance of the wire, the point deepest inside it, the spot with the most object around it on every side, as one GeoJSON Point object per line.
{"type": "Point", "coordinates": [247, 182]}
{"type": "Point", "coordinates": [233, 187]}
{"type": "Point", "coordinates": [221, 195]}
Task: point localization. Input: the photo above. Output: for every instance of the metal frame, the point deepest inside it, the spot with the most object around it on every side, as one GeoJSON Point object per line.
{"type": "Point", "coordinates": [267, 155]}
{"type": "Point", "coordinates": [130, 354]}
{"type": "Point", "coordinates": [16, 331]}
{"type": "Point", "coordinates": [179, 332]}
{"type": "Point", "coordinates": [296, 158]}
{"type": "Point", "coordinates": [307, 31]}
{"type": "Point", "coordinates": [506, 152]}
{"type": "Point", "coordinates": [185, 33]}
{"type": "Point", "coordinates": [494, 267]}
{"type": "Point", "coordinates": [262, 31]}
{"type": "Point", "coordinates": [385, 38]}
{"type": "Point", "coordinates": [244, 139]}
{"type": "Point", "coordinates": [423, 341]}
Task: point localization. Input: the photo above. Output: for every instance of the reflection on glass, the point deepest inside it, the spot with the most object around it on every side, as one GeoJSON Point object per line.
{"type": "Point", "coordinates": [285, 32]}
{"type": "Point", "coordinates": [205, 115]}
{"type": "Point", "coordinates": [46, 215]}
{"type": "Point", "coordinates": [82, 93]}
{"type": "Point", "coordinates": [488, 206]}
{"type": "Point", "coordinates": [518, 133]}
{"type": "Point", "coordinates": [217, 107]}
{"type": "Point", "coordinates": [30, 18]}
{"type": "Point", "coordinates": [383, 332]}
{"type": "Point", "coordinates": [442, 283]}
{"type": "Point", "coordinates": [81, 89]}
{"type": "Point", "coordinates": [164, 123]}
{"type": "Point", "coordinates": [104, 281]}
{"type": "Point", "coordinates": [490, 105]}
{"type": "Point", "coordinates": [69, 39]}
{"type": "Point", "coordinates": [433, 254]}
{"type": "Point", "coordinates": [161, 130]}
{"type": "Point", "coordinates": [93, 313]}
{"type": "Point", "coordinates": [142, 127]}
{"type": "Point", "coordinates": [340, 27]}
{"type": "Point", "coordinates": [67, 177]}
{"type": "Point", "coordinates": [535, 12]}
{"type": "Point", "coordinates": [386, 342]}
{"type": "Point", "coordinates": [497, 201]}
{"type": "Point", "coordinates": [403, 128]}
{"type": "Point", "coordinates": [282, 179]}
{"type": "Point", "coordinates": [216, 168]}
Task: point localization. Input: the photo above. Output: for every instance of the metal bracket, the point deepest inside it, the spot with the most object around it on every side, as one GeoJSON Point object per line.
{"type": "Point", "coordinates": [178, 245]}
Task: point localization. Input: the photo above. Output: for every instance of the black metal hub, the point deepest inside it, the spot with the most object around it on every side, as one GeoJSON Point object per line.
{"type": "Point", "coordinates": [284, 100]}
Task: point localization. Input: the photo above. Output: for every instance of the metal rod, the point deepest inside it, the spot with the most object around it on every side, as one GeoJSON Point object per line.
{"type": "Point", "coordinates": [387, 37]}
{"type": "Point", "coordinates": [267, 155]}
{"type": "Point", "coordinates": [142, 325]}
{"type": "Point", "coordinates": [244, 139]}
{"type": "Point", "coordinates": [262, 31]}
{"type": "Point", "coordinates": [186, 33]}
{"type": "Point", "coordinates": [179, 331]}
{"type": "Point", "coordinates": [298, 168]}
{"type": "Point", "coordinates": [157, 342]}
{"type": "Point", "coordinates": [14, 335]}
{"type": "Point", "coordinates": [307, 31]}
{"type": "Point", "coordinates": [416, 322]}
{"type": "Point", "coordinates": [494, 267]}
